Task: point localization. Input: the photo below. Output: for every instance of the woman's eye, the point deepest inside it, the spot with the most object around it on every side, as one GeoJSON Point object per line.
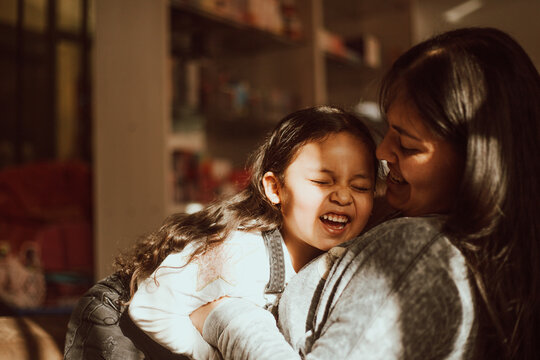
{"type": "Point", "coordinates": [407, 150]}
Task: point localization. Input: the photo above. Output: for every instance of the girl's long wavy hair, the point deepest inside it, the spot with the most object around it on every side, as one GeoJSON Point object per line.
{"type": "Point", "coordinates": [249, 209]}
{"type": "Point", "coordinates": [477, 88]}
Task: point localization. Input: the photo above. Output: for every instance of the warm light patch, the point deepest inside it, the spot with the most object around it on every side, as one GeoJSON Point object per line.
{"type": "Point", "coordinates": [214, 264]}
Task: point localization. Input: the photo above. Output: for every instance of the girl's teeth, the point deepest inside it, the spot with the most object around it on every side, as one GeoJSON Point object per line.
{"type": "Point", "coordinates": [336, 218]}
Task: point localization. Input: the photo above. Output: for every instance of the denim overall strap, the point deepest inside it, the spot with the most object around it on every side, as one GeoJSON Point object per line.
{"type": "Point", "coordinates": [272, 240]}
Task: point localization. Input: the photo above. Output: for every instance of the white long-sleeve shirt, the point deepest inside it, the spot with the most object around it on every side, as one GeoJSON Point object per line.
{"type": "Point", "coordinates": [238, 267]}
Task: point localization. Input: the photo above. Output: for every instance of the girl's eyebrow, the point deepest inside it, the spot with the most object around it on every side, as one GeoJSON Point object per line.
{"type": "Point", "coordinates": [404, 132]}
{"type": "Point", "coordinates": [355, 176]}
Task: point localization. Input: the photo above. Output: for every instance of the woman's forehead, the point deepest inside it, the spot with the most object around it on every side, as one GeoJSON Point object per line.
{"type": "Point", "coordinates": [404, 117]}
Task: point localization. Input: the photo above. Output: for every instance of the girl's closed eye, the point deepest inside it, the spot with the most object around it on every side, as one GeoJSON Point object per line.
{"type": "Point", "coordinates": [361, 188]}
{"type": "Point", "coordinates": [320, 181]}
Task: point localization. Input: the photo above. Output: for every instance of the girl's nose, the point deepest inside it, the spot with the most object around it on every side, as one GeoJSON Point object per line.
{"type": "Point", "coordinates": [341, 196]}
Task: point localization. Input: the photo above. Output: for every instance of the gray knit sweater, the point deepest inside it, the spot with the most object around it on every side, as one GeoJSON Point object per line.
{"type": "Point", "coordinates": [400, 291]}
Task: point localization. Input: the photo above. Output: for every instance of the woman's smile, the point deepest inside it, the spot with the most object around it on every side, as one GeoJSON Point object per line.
{"type": "Point", "coordinates": [395, 178]}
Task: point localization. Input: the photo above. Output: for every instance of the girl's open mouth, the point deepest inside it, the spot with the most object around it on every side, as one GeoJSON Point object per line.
{"type": "Point", "coordinates": [335, 221]}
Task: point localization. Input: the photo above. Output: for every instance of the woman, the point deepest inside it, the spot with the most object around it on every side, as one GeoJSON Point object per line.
{"type": "Point", "coordinates": [458, 276]}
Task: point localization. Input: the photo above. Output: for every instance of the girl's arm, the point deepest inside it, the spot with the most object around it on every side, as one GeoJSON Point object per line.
{"type": "Point", "coordinates": [162, 303]}
{"type": "Point", "coordinates": [161, 309]}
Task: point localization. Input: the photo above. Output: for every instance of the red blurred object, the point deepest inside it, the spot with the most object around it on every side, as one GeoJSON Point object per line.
{"type": "Point", "coordinates": [50, 204]}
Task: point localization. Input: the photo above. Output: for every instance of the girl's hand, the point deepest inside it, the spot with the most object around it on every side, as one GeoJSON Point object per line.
{"type": "Point", "coordinates": [198, 317]}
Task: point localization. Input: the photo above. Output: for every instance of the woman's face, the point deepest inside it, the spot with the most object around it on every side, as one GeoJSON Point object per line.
{"type": "Point", "coordinates": [425, 170]}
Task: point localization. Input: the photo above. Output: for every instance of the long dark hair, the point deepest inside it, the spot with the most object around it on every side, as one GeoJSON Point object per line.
{"type": "Point", "coordinates": [477, 88]}
{"type": "Point", "coordinates": [249, 209]}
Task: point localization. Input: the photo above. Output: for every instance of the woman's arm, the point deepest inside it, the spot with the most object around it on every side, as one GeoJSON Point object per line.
{"type": "Point", "coordinates": [241, 330]}
{"type": "Point", "coordinates": [378, 303]}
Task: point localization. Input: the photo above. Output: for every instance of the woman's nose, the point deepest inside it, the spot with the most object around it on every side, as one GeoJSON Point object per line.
{"type": "Point", "coordinates": [341, 196]}
{"type": "Point", "coordinates": [384, 150]}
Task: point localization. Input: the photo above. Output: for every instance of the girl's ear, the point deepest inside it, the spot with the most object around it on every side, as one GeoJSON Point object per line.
{"type": "Point", "coordinates": [271, 187]}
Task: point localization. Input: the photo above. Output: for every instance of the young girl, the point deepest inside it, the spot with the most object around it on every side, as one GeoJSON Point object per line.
{"type": "Point", "coordinates": [311, 189]}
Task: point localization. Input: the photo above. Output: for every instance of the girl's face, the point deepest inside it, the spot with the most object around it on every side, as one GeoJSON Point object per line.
{"type": "Point", "coordinates": [327, 194]}
{"type": "Point", "coordinates": [425, 170]}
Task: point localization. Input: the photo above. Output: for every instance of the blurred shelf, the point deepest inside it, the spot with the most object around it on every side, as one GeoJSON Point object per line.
{"type": "Point", "coordinates": [240, 127]}
{"type": "Point", "coordinates": [335, 59]}
{"type": "Point", "coordinates": [192, 140]}
{"type": "Point", "coordinates": [229, 35]}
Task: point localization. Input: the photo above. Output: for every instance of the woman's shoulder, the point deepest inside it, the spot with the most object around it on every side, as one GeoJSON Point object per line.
{"type": "Point", "coordinates": [413, 269]}
{"type": "Point", "coordinates": [404, 243]}
{"type": "Point", "coordinates": [423, 224]}
{"type": "Point", "coordinates": [408, 232]}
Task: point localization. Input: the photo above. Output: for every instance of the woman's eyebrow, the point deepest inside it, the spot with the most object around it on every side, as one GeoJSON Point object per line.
{"type": "Point", "coordinates": [405, 132]}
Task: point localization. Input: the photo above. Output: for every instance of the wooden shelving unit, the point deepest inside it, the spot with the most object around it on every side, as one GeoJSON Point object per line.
{"type": "Point", "coordinates": [234, 35]}
{"type": "Point", "coordinates": [235, 103]}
